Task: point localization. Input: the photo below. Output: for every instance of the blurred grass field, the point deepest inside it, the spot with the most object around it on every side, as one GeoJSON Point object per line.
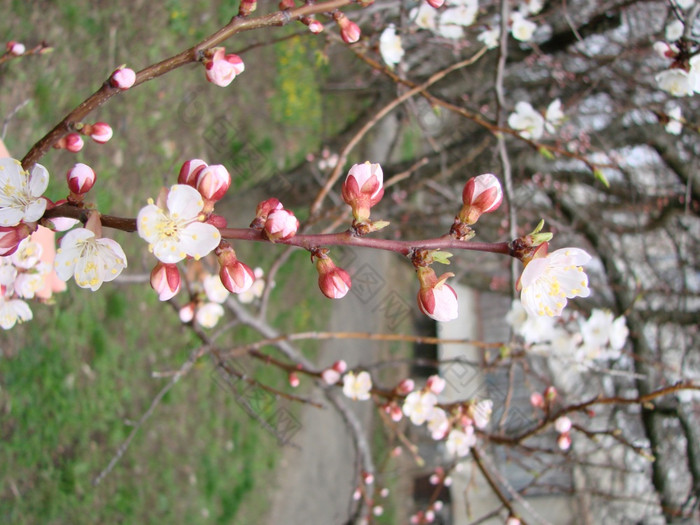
{"type": "Point", "coordinates": [75, 379]}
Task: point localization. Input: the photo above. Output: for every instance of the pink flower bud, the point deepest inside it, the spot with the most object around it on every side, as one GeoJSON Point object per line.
{"type": "Point", "coordinates": [368, 478]}
{"type": "Point", "coordinates": [165, 280]}
{"type": "Point", "coordinates": [294, 380]}
{"type": "Point", "coordinates": [330, 376]}
{"type": "Point", "coordinates": [100, 132]}
{"type": "Point", "coordinates": [363, 188]}
{"type": "Point", "coordinates": [564, 441]}
{"type": "Point", "coordinates": [395, 413]}
{"type": "Point", "coordinates": [74, 142]}
{"type": "Point", "coordinates": [537, 400]}
{"type": "Point", "coordinates": [123, 78]}
{"type": "Point", "coordinates": [315, 26]}
{"type": "Point", "coordinates": [550, 394]}
{"type": "Point", "coordinates": [436, 3]}
{"type": "Point", "coordinates": [436, 298]}
{"type": "Point", "coordinates": [281, 225]}
{"type": "Point", "coordinates": [562, 424]}
{"type": "Point", "coordinates": [189, 171]}
{"type": "Point", "coordinates": [212, 182]}
{"type": "Point", "coordinates": [405, 387]}
{"type": "Point", "coordinates": [436, 384]}
{"type": "Point", "coordinates": [349, 31]}
{"type": "Point", "coordinates": [80, 178]}
{"type": "Point", "coordinates": [247, 7]}
{"type": "Point", "coordinates": [334, 282]}
{"type": "Point", "coordinates": [236, 276]}
{"type": "Point", "coordinates": [340, 366]}
{"type": "Point", "coordinates": [11, 237]}
{"type": "Point", "coordinates": [15, 48]}
{"type": "Point", "coordinates": [482, 194]}
{"type": "Point", "coordinates": [221, 68]}
{"type": "Point", "coordinates": [187, 313]}
{"type": "Point", "coordinates": [286, 4]}
{"type": "Point", "coordinates": [263, 210]}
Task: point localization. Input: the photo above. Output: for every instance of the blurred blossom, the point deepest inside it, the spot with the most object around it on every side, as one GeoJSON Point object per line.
{"type": "Point", "coordinates": [208, 314]}
{"type": "Point", "coordinates": [390, 46]}
{"type": "Point", "coordinates": [357, 387]}
{"type": "Point", "coordinates": [527, 121]}
{"type": "Point", "coordinates": [21, 191]}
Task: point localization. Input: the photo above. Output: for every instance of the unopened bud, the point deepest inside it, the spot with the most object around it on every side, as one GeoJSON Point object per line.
{"type": "Point", "coordinates": [165, 280]}
{"type": "Point", "coordinates": [247, 7]}
{"type": "Point", "coordinates": [81, 178]}
{"type": "Point", "coordinates": [363, 188]}
{"type": "Point", "coordinates": [100, 132]}
{"type": "Point", "coordinates": [537, 400]}
{"type": "Point", "coordinates": [334, 282]}
{"type": "Point", "coordinates": [123, 78]}
{"type": "Point", "coordinates": [349, 31]}
{"type": "Point", "coordinates": [564, 441]}
{"type": "Point", "coordinates": [263, 210]}
{"type": "Point", "coordinates": [236, 276]}
{"type": "Point", "coordinates": [221, 68]}
{"type": "Point", "coordinates": [281, 225]}
{"type": "Point", "coordinates": [286, 4]}
{"type": "Point", "coordinates": [562, 424]}
{"type": "Point", "coordinates": [481, 194]}
{"type": "Point", "coordinates": [294, 380]}
{"type": "Point", "coordinates": [550, 394]}
{"type": "Point", "coordinates": [330, 376]}
{"type": "Point", "coordinates": [405, 386]}
{"type": "Point", "coordinates": [436, 298]}
{"type": "Point", "coordinates": [340, 366]}
{"type": "Point", "coordinates": [71, 142]}
{"type": "Point", "coordinates": [436, 384]}
{"type": "Point", "coordinates": [189, 171]}
{"type": "Point", "coordinates": [212, 182]}
{"type": "Point", "coordinates": [15, 48]}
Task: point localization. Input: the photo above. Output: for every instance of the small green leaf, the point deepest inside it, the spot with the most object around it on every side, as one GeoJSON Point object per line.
{"type": "Point", "coordinates": [441, 257]}
{"type": "Point", "coordinates": [546, 153]}
{"type": "Point", "coordinates": [601, 177]}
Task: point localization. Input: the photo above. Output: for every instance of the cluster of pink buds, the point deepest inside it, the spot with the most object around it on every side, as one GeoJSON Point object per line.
{"type": "Point", "coordinates": [334, 282]}
{"type": "Point", "coordinates": [277, 223]}
{"type": "Point", "coordinates": [211, 182]}
{"type": "Point", "coordinates": [332, 374]}
{"type": "Point", "coordinates": [436, 298]}
{"type": "Point", "coordinates": [236, 276]}
{"type": "Point", "coordinates": [481, 194]}
{"type": "Point", "coordinates": [15, 48]}
{"type": "Point", "coordinates": [349, 30]}
{"type": "Point", "coordinates": [123, 78]}
{"type": "Point", "coordinates": [221, 68]}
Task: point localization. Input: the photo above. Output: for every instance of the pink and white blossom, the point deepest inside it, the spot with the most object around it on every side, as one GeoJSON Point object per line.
{"type": "Point", "coordinates": [101, 132]}
{"type": "Point", "coordinates": [177, 231]}
{"type": "Point", "coordinates": [357, 387]}
{"type": "Point", "coordinates": [363, 188]}
{"type": "Point", "coordinates": [330, 376]}
{"type": "Point", "coordinates": [562, 424]}
{"type": "Point", "coordinates": [436, 298]}
{"type": "Point", "coordinates": [21, 191]}
{"type": "Point", "coordinates": [481, 194]}
{"type": "Point", "coordinates": [334, 282]}
{"type": "Point", "coordinates": [15, 48]}
{"type": "Point", "coordinates": [676, 81]}
{"type": "Point", "coordinates": [237, 277]}
{"type": "Point", "coordinates": [548, 282]}
{"type": "Point", "coordinates": [438, 423]}
{"type": "Point", "coordinates": [435, 384]}
{"type": "Point", "coordinates": [222, 69]}
{"type": "Point", "coordinates": [90, 260]}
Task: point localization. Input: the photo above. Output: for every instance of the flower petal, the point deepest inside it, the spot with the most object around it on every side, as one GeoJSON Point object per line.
{"type": "Point", "coordinates": [184, 202]}
{"type": "Point", "coordinates": [38, 180]}
{"type": "Point", "coordinates": [199, 238]}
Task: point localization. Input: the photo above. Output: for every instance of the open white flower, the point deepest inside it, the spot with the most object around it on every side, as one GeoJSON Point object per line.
{"type": "Point", "coordinates": [554, 116]}
{"type": "Point", "coordinates": [209, 314]}
{"type": "Point", "coordinates": [419, 406]}
{"type": "Point", "coordinates": [13, 311]}
{"type": "Point", "coordinates": [358, 386]}
{"type": "Point", "coordinates": [91, 260]}
{"type": "Point", "coordinates": [177, 232]}
{"type": "Point", "coordinates": [489, 37]}
{"type": "Point", "coordinates": [424, 16]}
{"type": "Point", "coordinates": [390, 46]}
{"type": "Point", "coordinates": [619, 333]}
{"type": "Point", "coordinates": [214, 289]}
{"type": "Point", "coordinates": [522, 29]}
{"type": "Point", "coordinates": [527, 121]}
{"type": "Point", "coordinates": [677, 82]}
{"type": "Point", "coordinates": [460, 443]}
{"type": "Point", "coordinates": [548, 282]}
{"type": "Point", "coordinates": [21, 191]}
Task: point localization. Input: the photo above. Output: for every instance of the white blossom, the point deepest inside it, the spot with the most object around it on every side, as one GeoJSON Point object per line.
{"type": "Point", "coordinates": [460, 443]}
{"type": "Point", "coordinates": [424, 16]}
{"type": "Point", "coordinates": [419, 406]}
{"type": "Point", "coordinates": [676, 81]}
{"type": "Point", "coordinates": [674, 125]}
{"type": "Point", "coordinates": [390, 46]}
{"type": "Point", "coordinates": [522, 29]}
{"type": "Point", "coordinates": [357, 387]}
{"type": "Point", "coordinates": [548, 282]}
{"type": "Point", "coordinates": [21, 191]}
{"type": "Point", "coordinates": [526, 120]}
{"type": "Point", "coordinates": [13, 311]}
{"type": "Point", "coordinates": [554, 116]}
{"type": "Point", "coordinates": [489, 37]}
{"type": "Point", "coordinates": [90, 260]}
{"type": "Point", "coordinates": [214, 289]}
{"type": "Point", "coordinates": [177, 231]}
{"type": "Point", "coordinates": [208, 315]}
{"type": "Point", "coordinates": [674, 31]}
